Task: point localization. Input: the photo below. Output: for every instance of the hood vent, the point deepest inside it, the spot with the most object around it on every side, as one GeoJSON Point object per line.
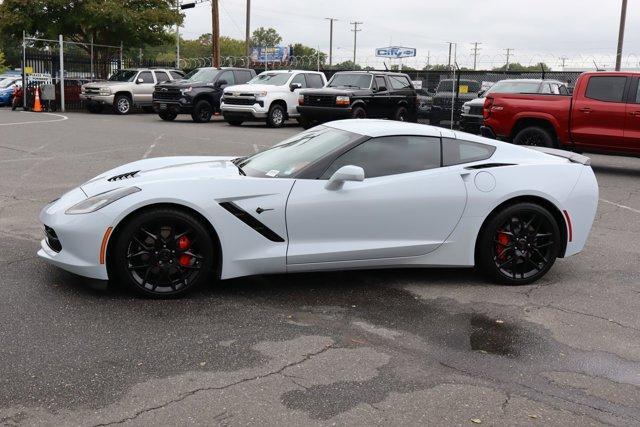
{"type": "Point", "coordinates": [123, 176]}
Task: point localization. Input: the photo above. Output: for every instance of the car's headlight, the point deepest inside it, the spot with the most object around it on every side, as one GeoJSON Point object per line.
{"type": "Point", "coordinates": [105, 91]}
{"type": "Point", "coordinates": [101, 200]}
{"type": "Point", "coordinates": [342, 100]}
{"type": "Point", "coordinates": [187, 90]}
{"type": "Point", "coordinates": [260, 94]}
{"type": "Point", "coordinates": [466, 109]}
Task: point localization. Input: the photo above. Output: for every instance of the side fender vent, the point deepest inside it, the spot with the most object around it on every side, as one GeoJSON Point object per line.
{"type": "Point", "coordinates": [251, 221]}
{"type": "Point", "coordinates": [123, 176]}
{"type": "Point", "coordinates": [489, 165]}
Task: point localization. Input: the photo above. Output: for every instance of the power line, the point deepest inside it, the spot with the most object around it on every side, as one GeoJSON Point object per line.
{"type": "Point", "coordinates": [475, 49]}
{"type": "Point", "coordinates": [355, 38]}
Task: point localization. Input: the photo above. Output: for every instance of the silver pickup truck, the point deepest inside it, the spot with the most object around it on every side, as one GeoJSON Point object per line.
{"type": "Point", "coordinates": [125, 89]}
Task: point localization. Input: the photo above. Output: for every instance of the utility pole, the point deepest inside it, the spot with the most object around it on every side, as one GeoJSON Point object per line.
{"type": "Point", "coordinates": [476, 49]}
{"type": "Point", "coordinates": [509, 51]}
{"type": "Point", "coordinates": [623, 18]}
{"type": "Point", "coordinates": [215, 34]}
{"type": "Point", "coordinates": [355, 39]}
{"type": "Point", "coordinates": [428, 59]}
{"type": "Point", "coordinates": [178, 37]}
{"type": "Point", "coordinates": [247, 30]}
{"type": "Point", "coordinates": [330, 39]}
{"type": "Point", "coordinates": [563, 59]}
{"type": "Point", "coordinates": [449, 62]}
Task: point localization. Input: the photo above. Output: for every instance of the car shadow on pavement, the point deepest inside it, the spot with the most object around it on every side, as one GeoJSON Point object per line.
{"type": "Point", "coordinates": [617, 170]}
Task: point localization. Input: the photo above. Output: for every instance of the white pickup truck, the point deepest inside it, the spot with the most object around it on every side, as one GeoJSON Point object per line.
{"type": "Point", "coordinates": [271, 96]}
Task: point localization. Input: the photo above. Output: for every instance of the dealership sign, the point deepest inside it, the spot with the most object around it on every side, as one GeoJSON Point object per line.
{"type": "Point", "coordinates": [395, 52]}
{"type": "Point", "coordinates": [270, 54]}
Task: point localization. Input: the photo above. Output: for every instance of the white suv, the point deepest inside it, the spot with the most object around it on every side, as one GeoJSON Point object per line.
{"type": "Point", "coordinates": [271, 95]}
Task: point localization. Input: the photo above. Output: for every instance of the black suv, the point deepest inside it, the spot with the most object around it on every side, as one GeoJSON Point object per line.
{"type": "Point", "coordinates": [198, 93]}
{"type": "Point", "coordinates": [359, 94]}
{"type": "Point", "coordinates": [445, 96]}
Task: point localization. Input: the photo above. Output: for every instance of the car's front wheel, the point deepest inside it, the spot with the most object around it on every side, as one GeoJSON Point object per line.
{"type": "Point", "coordinates": [534, 136]}
{"type": "Point", "coordinates": [519, 244]}
{"type": "Point", "coordinates": [122, 104]}
{"type": "Point", "coordinates": [162, 252]}
{"type": "Point", "coordinates": [276, 116]}
{"type": "Point", "coordinates": [401, 114]}
{"type": "Point", "coordinates": [202, 111]}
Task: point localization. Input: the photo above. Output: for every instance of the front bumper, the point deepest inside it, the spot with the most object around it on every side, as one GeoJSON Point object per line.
{"type": "Point", "coordinates": [244, 111]}
{"type": "Point", "coordinates": [98, 99]}
{"type": "Point", "coordinates": [324, 113]}
{"type": "Point", "coordinates": [183, 106]}
{"type": "Point", "coordinates": [471, 123]}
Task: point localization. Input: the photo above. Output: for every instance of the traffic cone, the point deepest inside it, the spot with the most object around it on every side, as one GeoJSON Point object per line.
{"type": "Point", "coordinates": [37, 107]}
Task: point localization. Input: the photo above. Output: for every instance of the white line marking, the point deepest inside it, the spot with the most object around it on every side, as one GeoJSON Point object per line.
{"type": "Point", "coordinates": [152, 146]}
{"type": "Point", "coordinates": [255, 148]}
{"type": "Point", "coordinates": [61, 119]}
{"type": "Point", "coordinates": [621, 206]}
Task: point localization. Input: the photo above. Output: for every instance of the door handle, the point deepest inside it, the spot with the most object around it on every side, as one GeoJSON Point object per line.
{"type": "Point", "coordinates": [585, 110]}
{"type": "Point", "coordinates": [634, 113]}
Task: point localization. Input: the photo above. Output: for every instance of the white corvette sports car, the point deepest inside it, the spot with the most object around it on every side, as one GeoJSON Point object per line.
{"type": "Point", "coordinates": [344, 195]}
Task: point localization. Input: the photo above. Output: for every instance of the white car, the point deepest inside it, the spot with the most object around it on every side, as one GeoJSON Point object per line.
{"type": "Point", "coordinates": [349, 194]}
{"type": "Point", "coordinates": [271, 96]}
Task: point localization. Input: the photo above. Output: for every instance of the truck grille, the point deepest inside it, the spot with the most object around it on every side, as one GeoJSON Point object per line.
{"type": "Point", "coordinates": [476, 110]}
{"type": "Point", "coordinates": [91, 90]}
{"type": "Point", "coordinates": [239, 101]}
{"type": "Point", "coordinates": [167, 95]}
{"type": "Point", "coordinates": [320, 100]}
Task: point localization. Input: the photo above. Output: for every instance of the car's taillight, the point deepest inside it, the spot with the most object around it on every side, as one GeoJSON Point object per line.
{"type": "Point", "coordinates": [486, 110]}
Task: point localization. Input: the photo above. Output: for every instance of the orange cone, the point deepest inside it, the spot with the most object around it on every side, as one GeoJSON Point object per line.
{"type": "Point", "coordinates": [37, 107]}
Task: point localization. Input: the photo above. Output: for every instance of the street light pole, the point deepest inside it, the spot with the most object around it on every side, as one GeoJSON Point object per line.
{"type": "Point", "coordinates": [623, 18]}
{"type": "Point", "coordinates": [331, 39]}
{"type": "Point", "coordinates": [247, 30]}
{"type": "Point", "coordinates": [215, 34]}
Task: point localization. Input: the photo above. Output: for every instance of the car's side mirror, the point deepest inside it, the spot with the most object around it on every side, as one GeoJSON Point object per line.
{"type": "Point", "coordinates": [294, 86]}
{"type": "Point", "coordinates": [139, 80]}
{"type": "Point", "coordinates": [481, 93]}
{"type": "Point", "coordinates": [221, 83]}
{"type": "Point", "coordinates": [344, 174]}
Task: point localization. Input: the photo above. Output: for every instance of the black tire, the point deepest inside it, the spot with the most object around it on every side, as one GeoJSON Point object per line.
{"type": "Point", "coordinates": [235, 122]}
{"type": "Point", "coordinates": [277, 116]}
{"type": "Point", "coordinates": [401, 114]}
{"type": "Point", "coordinates": [305, 122]}
{"type": "Point", "coordinates": [148, 256]}
{"type": "Point", "coordinates": [202, 112]}
{"type": "Point", "coordinates": [94, 108]}
{"type": "Point", "coordinates": [519, 244]}
{"type": "Point", "coordinates": [122, 104]}
{"type": "Point", "coordinates": [167, 116]}
{"type": "Point", "coordinates": [534, 136]}
{"type": "Point", "coordinates": [358, 113]}
{"type": "Point", "coordinates": [148, 110]}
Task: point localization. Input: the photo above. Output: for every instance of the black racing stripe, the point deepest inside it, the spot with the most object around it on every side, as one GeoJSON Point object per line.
{"type": "Point", "coordinates": [251, 221]}
{"type": "Point", "coordinates": [489, 165]}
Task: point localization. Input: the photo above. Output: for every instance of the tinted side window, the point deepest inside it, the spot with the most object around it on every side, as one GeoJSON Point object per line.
{"type": "Point", "coordinates": [563, 90]}
{"type": "Point", "coordinates": [146, 77]}
{"type": "Point", "coordinates": [228, 76]}
{"type": "Point", "coordinates": [606, 88]}
{"type": "Point", "coordinates": [455, 151]}
{"type": "Point", "coordinates": [391, 155]}
{"type": "Point", "coordinates": [314, 81]}
{"type": "Point", "coordinates": [300, 79]}
{"type": "Point", "coordinates": [161, 76]}
{"type": "Point", "coordinates": [400, 82]}
{"type": "Point", "coordinates": [381, 83]}
{"type": "Point", "coordinates": [243, 76]}
{"type": "Point", "coordinates": [176, 75]}
{"type": "Point", "coordinates": [638, 94]}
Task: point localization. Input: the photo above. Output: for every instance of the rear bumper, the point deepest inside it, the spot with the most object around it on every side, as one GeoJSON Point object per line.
{"type": "Point", "coordinates": [315, 112]}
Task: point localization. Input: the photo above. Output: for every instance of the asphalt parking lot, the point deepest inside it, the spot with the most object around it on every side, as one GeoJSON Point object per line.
{"type": "Point", "coordinates": [362, 348]}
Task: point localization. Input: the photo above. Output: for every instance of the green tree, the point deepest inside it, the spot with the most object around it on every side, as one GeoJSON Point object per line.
{"type": "Point", "coordinates": [132, 22]}
{"type": "Point", "coordinates": [516, 66]}
{"type": "Point", "coordinates": [308, 57]}
{"type": "Point", "coordinates": [347, 65]}
{"type": "Point", "coordinates": [437, 67]}
{"type": "Point", "coordinates": [3, 67]}
{"type": "Point", "coordinates": [265, 37]}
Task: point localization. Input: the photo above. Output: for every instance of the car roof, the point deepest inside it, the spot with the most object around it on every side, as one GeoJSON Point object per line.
{"type": "Point", "coordinates": [290, 71]}
{"type": "Point", "coordinates": [530, 80]}
{"type": "Point", "coordinates": [386, 73]}
{"type": "Point", "coordinates": [377, 128]}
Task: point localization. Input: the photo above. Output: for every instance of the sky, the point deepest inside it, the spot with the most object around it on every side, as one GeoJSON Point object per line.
{"type": "Point", "coordinates": [541, 30]}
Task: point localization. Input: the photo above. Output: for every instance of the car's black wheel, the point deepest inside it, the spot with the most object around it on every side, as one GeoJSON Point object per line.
{"type": "Point", "coordinates": [202, 111]}
{"type": "Point", "coordinates": [534, 136]}
{"type": "Point", "coordinates": [519, 244]}
{"type": "Point", "coordinates": [95, 108]}
{"type": "Point", "coordinates": [122, 104]}
{"type": "Point", "coordinates": [401, 114]}
{"type": "Point", "coordinates": [163, 252]}
{"type": "Point", "coordinates": [167, 116]}
{"type": "Point", "coordinates": [276, 116]}
{"type": "Point", "coordinates": [235, 122]}
{"type": "Point", "coordinates": [358, 113]}
{"type": "Point", "coordinates": [305, 122]}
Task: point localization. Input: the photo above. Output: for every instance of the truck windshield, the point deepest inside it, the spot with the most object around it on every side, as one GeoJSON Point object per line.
{"type": "Point", "coordinates": [361, 81]}
{"type": "Point", "coordinates": [447, 86]}
{"type": "Point", "coordinates": [271, 79]}
{"type": "Point", "coordinates": [123, 76]}
{"type": "Point", "coordinates": [289, 157]}
{"type": "Point", "coordinates": [202, 75]}
{"type": "Point", "coordinates": [514, 87]}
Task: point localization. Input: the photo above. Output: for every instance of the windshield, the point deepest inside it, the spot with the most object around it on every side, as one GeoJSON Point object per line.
{"type": "Point", "coordinates": [514, 87]}
{"type": "Point", "coordinates": [447, 86]}
{"type": "Point", "coordinates": [271, 79]}
{"type": "Point", "coordinates": [6, 82]}
{"type": "Point", "coordinates": [202, 75]}
{"type": "Point", "coordinates": [123, 76]}
{"type": "Point", "coordinates": [292, 155]}
{"type": "Point", "coordinates": [361, 81]}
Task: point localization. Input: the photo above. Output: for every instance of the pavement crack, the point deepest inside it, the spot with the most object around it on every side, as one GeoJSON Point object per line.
{"type": "Point", "coordinates": [190, 393]}
{"type": "Point", "coordinates": [595, 316]}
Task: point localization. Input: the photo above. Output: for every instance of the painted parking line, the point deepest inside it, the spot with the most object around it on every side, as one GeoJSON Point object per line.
{"type": "Point", "coordinates": [621, 206]}
{"type": "Point", "coordinates": [60, 118]}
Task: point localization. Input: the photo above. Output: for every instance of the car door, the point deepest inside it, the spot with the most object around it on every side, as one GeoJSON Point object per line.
{"type": "Point", "coordinates": [292, 96]}
{"type": "Point", "coordinates": [598, 113]}
{"type": "Point", "coordinates": [406, 206]}
{"type": "Point", "coordinates": [145, 84]}
{"type": "Point", "coordinates": [380, 98]}
{"type": "Point", "coordinates": [632, 120]}
{"type": "Point", "coordinates": [225, 76]}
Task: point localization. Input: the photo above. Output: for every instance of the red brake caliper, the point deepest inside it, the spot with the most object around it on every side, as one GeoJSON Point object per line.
{"type": "Point", "coordinates": [503, 241]}
{"type": "Point", "coordinates": [183, 245]}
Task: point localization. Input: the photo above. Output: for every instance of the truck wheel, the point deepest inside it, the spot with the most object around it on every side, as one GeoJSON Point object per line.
{"type": "Point", "coordinates": [358, 113]}
{"type": "Point", "coordinates": [534, 136]}
{"type": "Point", "coordinates": [202, 112]}
{"type": "Point", "coordinates": [122, 104]}
{"type": "Point", "coordinates": [168, 116]}
{"type": "Point", "coordinates": [401, 114]}
{"type": "Point", "coordinates": [276, 116]}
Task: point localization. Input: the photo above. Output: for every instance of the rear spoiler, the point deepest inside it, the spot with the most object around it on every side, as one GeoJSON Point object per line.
{"type": "Point", "coordinates": [573, 157]}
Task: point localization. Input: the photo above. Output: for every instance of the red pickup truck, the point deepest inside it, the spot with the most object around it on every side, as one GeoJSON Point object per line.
{"type": "Point", "coordinates": [602, 115]}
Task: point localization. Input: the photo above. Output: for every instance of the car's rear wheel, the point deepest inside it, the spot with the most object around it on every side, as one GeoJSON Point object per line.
{"type": "Point", "coordinates": [122, 104]}
{"type": "Point", "coordinates": [519, 244]}
{"type": "Point", "coordinates": [358, 113]}
{"type": "Point", "coordinates": [276, 116]}
{"type": "Point", "coordinates": [167, 116]}
{"type": "Point", "coordinates": [202, 112]}
{"type": "Point", "coordinates": [163, 252]}
{"type": "Point", "coordinates": [534, 136]}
